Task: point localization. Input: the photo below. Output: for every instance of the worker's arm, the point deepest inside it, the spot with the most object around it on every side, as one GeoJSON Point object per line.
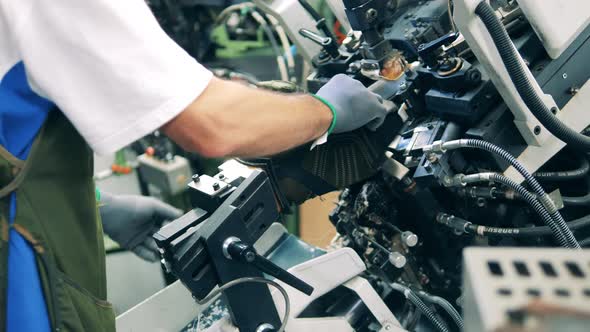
{"type": "Point", "coordinates": [117, 76]}
{"type": "Point", "coordinates": [230, 119]}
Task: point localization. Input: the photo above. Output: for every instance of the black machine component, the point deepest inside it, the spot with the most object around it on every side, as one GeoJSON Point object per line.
{"type": "Point", "coordinates": [205, 249]}
{"type": "Point", "coordinates": [445, 95]}
{"type": "Point", "coordinates": [410, 221]}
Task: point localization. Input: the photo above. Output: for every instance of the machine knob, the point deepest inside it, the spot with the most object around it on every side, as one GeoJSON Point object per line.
{"type": "Point", "coordinates": [410, 239]}
{"type": "Point", "coordinates": [398, 260]}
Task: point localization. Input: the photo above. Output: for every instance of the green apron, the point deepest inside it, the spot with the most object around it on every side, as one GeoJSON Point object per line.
{"type": "Point", "coordinates": [57, 214]}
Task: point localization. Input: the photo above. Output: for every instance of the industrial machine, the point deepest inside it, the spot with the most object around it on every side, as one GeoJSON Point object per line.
{"type": "Point", "coordinates": [488, 149]}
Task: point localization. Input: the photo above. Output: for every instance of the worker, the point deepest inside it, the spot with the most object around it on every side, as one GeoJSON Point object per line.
{"type": "Point", "coordinates": [84, 76]}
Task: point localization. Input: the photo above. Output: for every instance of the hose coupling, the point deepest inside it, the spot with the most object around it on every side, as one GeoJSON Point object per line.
{"type": "Point", "coordinates": [548, 204]}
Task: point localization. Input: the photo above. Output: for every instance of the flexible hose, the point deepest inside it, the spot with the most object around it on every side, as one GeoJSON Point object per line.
{"type": "Point", "coordinates": [281, 62]}
{"type": "Point", "coordinates": [574, 174]}
{"type": "Point", "coordinates": [425, 309]}
{"type": "Point", "coordinates": [448, 307]}
{"type": "Point", "coordinates": [577, 200]}
{"type": "Point", "coordinates": [468, 227]}
{"type": "Point", "coordinates": [563, 234]}
{"type": "Point", "coordinates": [559, 228]}
{"type": "Point", "coordinates": [522, 83]}
{"type": "Point", "coordinates": [253, 280]}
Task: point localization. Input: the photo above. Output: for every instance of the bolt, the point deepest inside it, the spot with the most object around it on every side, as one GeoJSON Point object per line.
{"type": "Point", "coordinates": [432, 158]}
{"type": "Point", "coordinates": [481, 202]}
{"type": "Point", "coordinates": [537, 130]}
{"type": "Point", "coordinates": [554, 110]}
{"type": "Point", "coordinates": [574, 90]}
{"type": "Point", "coordinates": [196, 178]}
{"type": "Point", "coordinates": [371, 14]}
{"type": "Point", "coordinates": [221, 176]}
{"type": "Point", "coordinates": [216, 186]}
{"type": "Point", "coordinates": [447, 180]}
{"type": "Point", "coordinates": [354, 67]}
{"type": "Point", "coordinates": [564, 76]}
{"type": "Point", "coordinates": [250, 256]}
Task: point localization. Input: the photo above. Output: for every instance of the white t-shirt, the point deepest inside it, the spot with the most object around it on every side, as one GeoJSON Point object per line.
{"type": "Point", "coordinates": [106, 64]}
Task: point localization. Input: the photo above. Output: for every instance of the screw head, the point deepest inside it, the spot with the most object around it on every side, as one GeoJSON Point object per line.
{"type": "Point", "coordinates": [250, 256]}
{"type": "Point", "coordinates": [537, 130]}
{"type": "Point", "coordinates": [221, 176]}
{"type": "Point", "coordinates": [371, 14]}
{"type": "Point", "coordinates": [216, 186]}
{"type": "Point", "coordinates": [196, 178]}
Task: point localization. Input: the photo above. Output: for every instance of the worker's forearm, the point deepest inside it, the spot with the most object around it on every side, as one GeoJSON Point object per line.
{"type": "Point", "coordinates": [230, 119]}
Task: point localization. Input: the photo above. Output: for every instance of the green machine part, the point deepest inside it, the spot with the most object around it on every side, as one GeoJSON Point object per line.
{"type": "Point", "coordinates": [230, 48]}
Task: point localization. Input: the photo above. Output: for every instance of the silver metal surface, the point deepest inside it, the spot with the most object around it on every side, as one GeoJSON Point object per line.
{"type": "Point", "coordinates": [266, 327]}
{"type": "Point", "coordinates": [398, 260]}
{"type": "Point", "coordinates": [337, 7]}
{"type": "Point", "coordinates": [292, 17]}
{"type": "Point", "coordinates": [410, 239]}
{"type": "Point", "coordinates": [226, 245]}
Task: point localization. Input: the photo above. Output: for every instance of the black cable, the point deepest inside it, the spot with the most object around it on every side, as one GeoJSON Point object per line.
{"type": "Point", "coordinates": [446, 305]}
{"type": "Point", "coordinates": [578, 200]}
{"type": "Point", "coordinates": [425, 309]}
{"type": "Point", "coordinates": [556, 227]}
{"type": "Point", "coordinates": [522, 83]}
{"type": "Point", "coordinates": [574, 174]}
{"type": "Point", "coordinates": [468, 227]}
{"type": "Point", "coordinates": [547, 205]}
{"type": "Point", "coordinates": [264, 24]}
{"type": "Point", "coordinates": [258, 280]}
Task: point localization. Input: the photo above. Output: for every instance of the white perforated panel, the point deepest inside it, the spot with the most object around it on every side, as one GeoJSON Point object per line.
{"type": "Point", "coordinates": [498, 281]}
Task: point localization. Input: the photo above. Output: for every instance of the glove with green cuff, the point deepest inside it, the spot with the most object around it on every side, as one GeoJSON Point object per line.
{"type": "Point", "coordinates": [353, 105]}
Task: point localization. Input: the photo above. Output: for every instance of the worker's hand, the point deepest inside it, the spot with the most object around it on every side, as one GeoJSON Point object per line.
{"type": "Point", "coordinates": [345, 159]}
{"type": "Point", "coordinates": [131, 220]}
{"type": "Point", "coordinates": [355, 106]}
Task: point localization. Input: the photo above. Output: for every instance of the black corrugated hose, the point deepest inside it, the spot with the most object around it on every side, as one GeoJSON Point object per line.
{"type": "Point", "coordinates": [440, 325]}
{"type": "Point", "coordinates": [468, 227]}
{"type": "Point", "coordinates": [559, 229]}
{"type": "Point", "coordinates": [521, 81]}
{"type": "Point", "coordinates": [532, 182]}
{"type": "Point", "coordinates": [446, 305]}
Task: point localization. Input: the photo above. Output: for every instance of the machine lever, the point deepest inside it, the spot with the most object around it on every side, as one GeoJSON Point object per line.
{"type": "Point", "coordinates": [326, 43]}
{"type": "Point", "coordinates": [428, 51]}
{"type": "Point", "coordinates": [233, 248]}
